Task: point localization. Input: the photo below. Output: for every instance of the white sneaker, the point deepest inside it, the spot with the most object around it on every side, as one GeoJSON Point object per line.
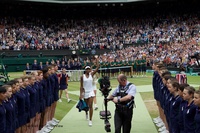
{"type": "Point", "coordinates": [95, 107]}
{"type": "Point", "coordinates": [162, 129]}
{"type": "Point", "coordinates": [156, 118]}
{"type": "Point", "coordinates": [90, 123]}
{"type": "Point", "coordinates": [165, 131]}
{"type": "Point", "coordinates": [161, 124]}
{"type": "Point", "coordinates": [54, 119]}
{"type": "Point", "coordinates": [45, 129]}
{"type": "Point", "coordinates": [53, 123]}
{"type": "Point", "coordinates": [157, 121]}
{"type": "Point", "coordinates": [49, 126]}
{"type": "Point", "coordinates": [60, 100]}
{"type": "Point", "coordinates": [68, 100]}
{"type": "Point", "coordinates": [87, 118]}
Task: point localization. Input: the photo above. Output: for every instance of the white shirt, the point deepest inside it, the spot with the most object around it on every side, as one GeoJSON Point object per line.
{"type": "Point", "coordinates": [87, 83]}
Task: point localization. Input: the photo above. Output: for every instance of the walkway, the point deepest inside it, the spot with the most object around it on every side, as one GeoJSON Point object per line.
{"type": "Point", "coordinates": [75, 122]}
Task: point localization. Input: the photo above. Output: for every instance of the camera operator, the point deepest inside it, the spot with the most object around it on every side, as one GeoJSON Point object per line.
{"type": "Point", "coordinates": [123, 97]}
{"type": "Point", "coordinates": [86, 89]}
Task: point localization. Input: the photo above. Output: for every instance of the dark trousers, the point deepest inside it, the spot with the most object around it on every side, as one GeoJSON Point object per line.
{"type": "Point", "coordinates": [122, 119]}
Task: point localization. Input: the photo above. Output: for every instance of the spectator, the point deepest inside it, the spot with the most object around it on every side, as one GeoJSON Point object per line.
{"type": "Point", "coordinates": [35, 65]}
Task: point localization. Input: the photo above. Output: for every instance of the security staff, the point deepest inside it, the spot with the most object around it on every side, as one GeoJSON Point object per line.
{"type": "Point", "coordinates": [123, 97]}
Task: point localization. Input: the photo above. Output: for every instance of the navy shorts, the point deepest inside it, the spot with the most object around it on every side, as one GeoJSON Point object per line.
{"type": "Point", "coordinates": [63, 87]}
{"type": "Point", "coordinates": [56, 97]}
{"type": "Point", "coordinates": [32, 112]}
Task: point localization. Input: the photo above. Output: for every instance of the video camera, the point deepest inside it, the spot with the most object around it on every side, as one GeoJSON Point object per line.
{"type": "Point", "coordinates": [104, 83]}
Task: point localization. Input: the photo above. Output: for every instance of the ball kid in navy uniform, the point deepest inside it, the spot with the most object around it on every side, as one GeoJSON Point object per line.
{"type": "Point", "coordinates": [2, 110]}
{"type": "Point", "coordinates": [35, 85]}
{"type": "Point", "coordinates": [197, 114]}
{"type": "Point", "coordinates": [15, 87]}
{"type": "Point", "coordinates": [27, 104]}
{"type": "Point", "coordinates": [155, 85]}
{"type": "Point", "coordinates": [41, 99]}
{"type": "Point", "coordinates": [44, 98]}
{"type": "Point", "coordinates": [175, 101]}
{"type": "Point", "coordinates": [56, 92]}
{"type": "Point", "coordinates": [163, 93]}
{"type": "Point", "coordinates": [182, 106]}
{"type": "Point", "coordinates": [189, 110]}
{"type": "Point", "coordinates": [33, 95]}
{"type": "Point", "coordinates": [161, 87]}
{"type": "Point", "coordinates": [21, 107]}
{"type": "Point", "coordinates": [10, 111]}
{"type": "Point", "coordinates": [167, 96]}
{"type": "Point", "coordinates": [52, 84]}
{"type": "Point", "coordinates": [26, 117]}
{"type": "Point", "coordinates": [63, 82]}
{"type": "Point", "coordinates": [55, 89]}
{"type": "Point", "coordinates": [50, 98]}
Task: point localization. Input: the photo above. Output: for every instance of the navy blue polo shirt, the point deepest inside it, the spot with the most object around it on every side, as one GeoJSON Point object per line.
{"type": "Point", "coordinates": [197, 120]}
{"type": "Point", "coordinates": [49, 87]}
{"type": "Point", "coordinates": [32, 92]}
{"type": "Point", "coordinates": [9, 116]}
{"type": "Point", "coordinates": [52, 81]}
{"type": "Point", "coordinates": [21, 99]}
{"type": "Point", "coordinates": [42, 100]}
{"type": "Point", "coordinates": [37, 103]}
{"type": "Point", "coordinates": [155, 84]}
{"type": "Point", "coordinates": [27, 104]}
{"type": "Point", "coordinates": [165, 94]}
{"type": "Point", "coordinates": [56, 81]}
{"type": "Point", "coordinates": [21, 102]}
{"type": "Point", "coordinates": [2, 118]}
{"type": "Point", "coordinates": [174, 114]}
{"type": "Point", "coordinates": [44, 86]}
{"type": "Point", "coordinates": [13, 100]}
{"type": "Point", "coordinates": [188, 118]}
{"type": "Point", "coordinates": [168, 98]}
{"type": "Point", "coordinates": [167, 108]}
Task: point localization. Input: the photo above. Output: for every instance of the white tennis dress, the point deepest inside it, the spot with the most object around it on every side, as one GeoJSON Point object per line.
{"type": "Point", "coordinates": [88, 87]}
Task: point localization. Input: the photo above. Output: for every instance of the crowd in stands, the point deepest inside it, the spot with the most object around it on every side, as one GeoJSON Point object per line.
{"type": "Point", "coordinates": [172, 40]}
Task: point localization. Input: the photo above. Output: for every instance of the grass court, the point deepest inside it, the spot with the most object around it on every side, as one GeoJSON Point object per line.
{"type": "Point", "coordinates": [147, 96]}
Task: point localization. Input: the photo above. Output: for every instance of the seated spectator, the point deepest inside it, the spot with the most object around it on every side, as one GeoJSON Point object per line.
{"type": "Point", "coordinates": [35, 65]}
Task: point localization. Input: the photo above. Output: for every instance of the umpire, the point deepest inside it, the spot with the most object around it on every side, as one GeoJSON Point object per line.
{"type": "Point", "coordinates": [123, 97]}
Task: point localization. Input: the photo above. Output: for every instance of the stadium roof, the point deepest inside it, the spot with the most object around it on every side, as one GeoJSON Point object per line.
{"type": "Point", "coordinates": [91, 1]}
